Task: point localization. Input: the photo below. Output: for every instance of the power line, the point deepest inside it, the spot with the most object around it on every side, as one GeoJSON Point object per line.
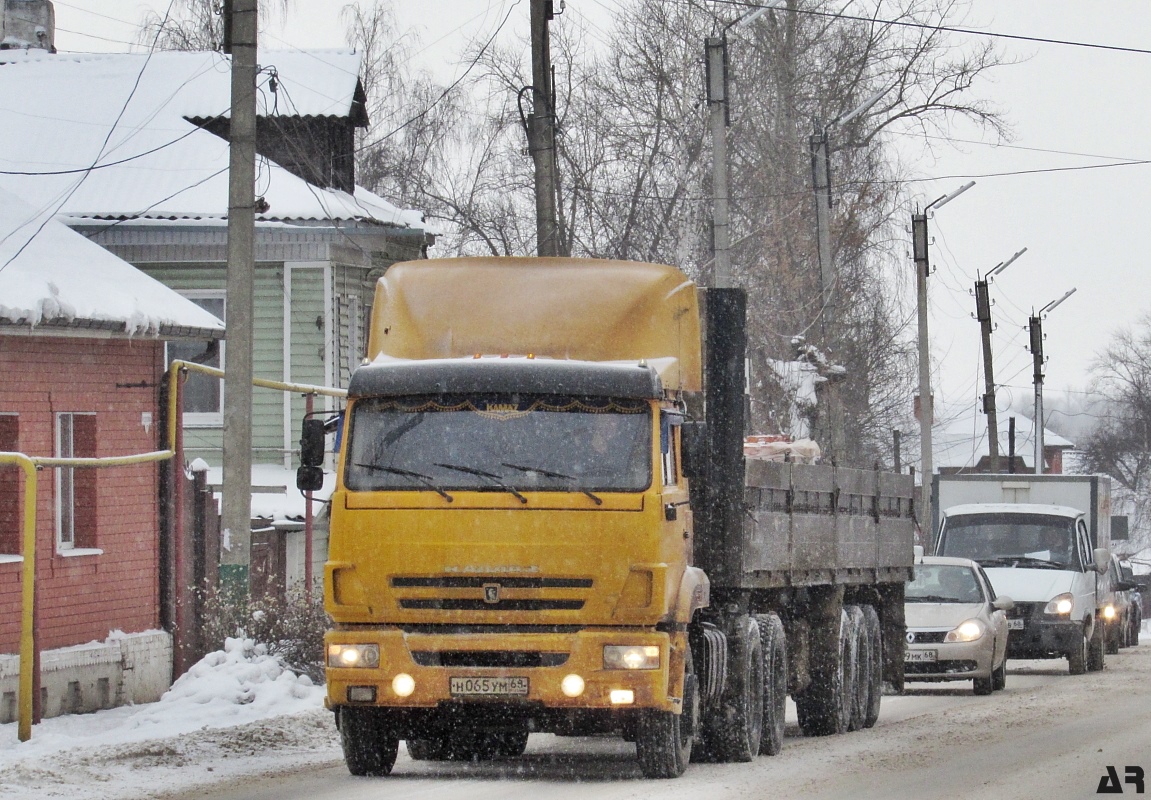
{"type": "Point", "coordinates": [940, 28]}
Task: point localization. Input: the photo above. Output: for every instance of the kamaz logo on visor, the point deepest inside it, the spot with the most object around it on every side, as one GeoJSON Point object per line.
{"type": "Point", "coordinates": [491, 593]}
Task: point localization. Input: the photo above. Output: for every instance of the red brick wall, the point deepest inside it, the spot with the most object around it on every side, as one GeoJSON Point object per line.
{"type": "Point", "coordinates": [82, 598]}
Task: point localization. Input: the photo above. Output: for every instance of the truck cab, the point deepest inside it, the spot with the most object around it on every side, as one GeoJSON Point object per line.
{"type": "Point", "coordinates": [1041, 557]}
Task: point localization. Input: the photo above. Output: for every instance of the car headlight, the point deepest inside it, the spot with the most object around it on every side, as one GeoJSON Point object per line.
{"type": "Point", "coordinates": [1060, 604]}
{"type": "Point", "coordinates": [620, 656]}
{"type": "Point", "coordinates": [967, 631]}
{"type": "Point", "coordinates": [1109, 612]}
{"type": "Point", "coordinates": [354, 655]}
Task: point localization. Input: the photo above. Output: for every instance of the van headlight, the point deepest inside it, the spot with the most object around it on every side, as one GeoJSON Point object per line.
{"type": "Point", "coordinates": [354, 655]}
{"type": "Point", "coordinates": [1060, 604]}
{"type": "Point", "coordinates": [967, 631]}
{"type": "Point", "coordinates": [619, 656]}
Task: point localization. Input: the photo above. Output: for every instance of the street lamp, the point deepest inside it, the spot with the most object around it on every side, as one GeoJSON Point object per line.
{"type": "Point", "coordinates": [983, 314]}
{"type": "Point", "coordinates": [919, 241]}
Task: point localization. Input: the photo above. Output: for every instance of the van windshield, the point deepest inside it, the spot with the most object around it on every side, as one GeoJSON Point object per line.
{"type": "Point", "coordinates": [993, 539]}
{"type": "Point", "coordinates": [499, 443]}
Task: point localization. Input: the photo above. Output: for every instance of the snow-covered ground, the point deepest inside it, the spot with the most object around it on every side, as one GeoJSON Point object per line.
{"type": "Point", "coordinates": [237, 710]}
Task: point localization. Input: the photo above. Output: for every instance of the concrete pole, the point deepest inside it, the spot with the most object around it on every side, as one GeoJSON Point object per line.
{"type": "Point", "coordinates": [716, 50]}
{"type": "Point", "coordinates": [926, 406]}
{"type": "Point", "coordinates": [237, 490]}
{"type": "Point", "coordinates": [1035, 329]}
{"type": "Point", "coordinates": [541, 132]}
{"type": "Point", "coordinates": [983, 313]}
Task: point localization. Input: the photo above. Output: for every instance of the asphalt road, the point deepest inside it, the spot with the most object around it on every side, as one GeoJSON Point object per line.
{"type": "Point", "coordinates": [1047, 736]}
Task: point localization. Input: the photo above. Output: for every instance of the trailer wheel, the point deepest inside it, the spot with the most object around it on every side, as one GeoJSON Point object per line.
{"type": "Point", "coordinates": [663, 739]}
{"type": "Point", "coordinates": [369, 749]}
{"type": "Point", "coordinates": [875, 674]}
{"type": "Point", "coordinates": [774, 644]}
{"type": "Point", "coordinates": [824, 708]}
{"type": "Point", "coordinates": [1077, 656]}
{"type": "Point", "coordinates": [734, 730]}
{"type": "Point", "coordinates": [1095, 648]}
{"type": "Point", "coordinates": [861, 658]}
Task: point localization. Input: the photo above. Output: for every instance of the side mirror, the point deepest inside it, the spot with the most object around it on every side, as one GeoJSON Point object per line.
{"type": "Point", "coordinates": [309, 479]}
{"type": "Point", "coordinates": [312, 443]}
{"type": "Point", "coordinates": [1003, 603]}
{"type": "Point", "coordinates": [1102, 560]}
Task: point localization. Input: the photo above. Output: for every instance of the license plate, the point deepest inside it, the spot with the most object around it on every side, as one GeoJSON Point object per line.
{"type": "Point", "coordinates": [919, 656]}
{"type": "Point", "coordinates": [1014, 624]}
{"type": "Point", "coordinates": [487, 687]}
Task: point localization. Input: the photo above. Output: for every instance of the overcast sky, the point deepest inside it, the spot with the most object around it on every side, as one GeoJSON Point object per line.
{"type": "Point", "coordinates": [1068, 107]}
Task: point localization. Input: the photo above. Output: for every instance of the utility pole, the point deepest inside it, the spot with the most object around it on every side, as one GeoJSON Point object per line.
{"type": "Point", "coordinates": [1035, 330]}
{"type": "Point", "coordinates": [919, 247]}
{"type": "Point", "coordinates": [821, 185]}
{"type": "Point", "coordinates": [541, 131]}
{"type": "Point", "coordinates": [719, 118]}
{"type": "Point", "coordinates": [983, 313]}
{"type": "Point", "coordinates": [237, 490]}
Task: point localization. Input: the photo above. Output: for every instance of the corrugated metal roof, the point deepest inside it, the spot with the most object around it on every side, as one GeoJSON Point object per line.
{"type": "Point", "coordinates": [126, 114]}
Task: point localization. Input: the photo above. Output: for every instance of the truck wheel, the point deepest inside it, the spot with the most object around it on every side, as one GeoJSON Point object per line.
{"type": "Point", "coordinates": [734, 729]}
{"type": "Point", "coordinates": [368, 747]}
{"type": "Point", "coordinates": [1077, 656]}
{"type": "Point", "coordinates": [875, 678]}
{"type": "Point", "coordinates": [663, 739]}
{"type": "Point", "coordinates": [1095, 648]}
{"type": "Point", "coordinates": [774, 644]}
{"type": "Point", "coordinates": [824, 708]}
{"type": "Point", "coordinates": [861, 658]}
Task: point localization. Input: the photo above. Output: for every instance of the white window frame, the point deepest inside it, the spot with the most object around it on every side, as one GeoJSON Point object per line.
{"type": "Point", "coordinates": [206, 419]}
{"type": "Point", "coordinates": [67, 547]}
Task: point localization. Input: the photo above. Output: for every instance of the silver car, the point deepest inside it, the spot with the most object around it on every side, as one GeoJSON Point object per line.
{"type": "Point", "coordinates": [956, 626]}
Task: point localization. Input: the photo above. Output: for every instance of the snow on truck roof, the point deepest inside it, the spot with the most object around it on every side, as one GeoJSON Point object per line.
{"type": "Point", "coordinates": [550, 308]}
{"type": "Point", "coordinates": [1013, 508]}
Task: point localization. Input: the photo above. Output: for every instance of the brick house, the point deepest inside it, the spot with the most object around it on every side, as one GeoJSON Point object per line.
{"type": "Point", "coordinates": [82, 339]}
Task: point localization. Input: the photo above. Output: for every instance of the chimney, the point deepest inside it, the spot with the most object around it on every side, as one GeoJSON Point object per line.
{"type": "Point", "coordinates": [28, 24]}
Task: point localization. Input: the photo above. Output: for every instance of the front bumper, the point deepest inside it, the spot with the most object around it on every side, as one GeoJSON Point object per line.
{"type": "Point", "coordinates": [544, 659]}
{"type": "Point", "coordinates": [1043, 635]}
{"type": "Point", "coordinates": [954, 661]}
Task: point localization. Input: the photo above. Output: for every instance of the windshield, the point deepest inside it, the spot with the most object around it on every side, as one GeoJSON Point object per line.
{"type": "Point", "coordinates": [1008, 539]}
{"type": "Point", "coordinates": [939, 583]}
{"type": "Point", "coordinates": [499, 443]}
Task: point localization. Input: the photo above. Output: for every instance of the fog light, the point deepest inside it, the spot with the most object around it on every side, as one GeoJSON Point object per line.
{"type": "Point", "coordinates": [572, 685]}
{"type": "Point", "coordinates": [622, 697]}
{"type": "Point", "coordinates": [361, 694]}
{"type": "Point", "coordinates": [403, 685]}
{"type": "Point", "coordinates": [1109, 612]}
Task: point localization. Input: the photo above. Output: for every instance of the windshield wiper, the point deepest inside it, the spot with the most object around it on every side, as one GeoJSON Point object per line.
{"type": "Point", "coordinates": [547, 473]}
{"type": "Point", "coordinates": [1040, 562]}
{"type": "Point", "coordinates": [933, 598]}
{"type": "Point", "coordinates": [496, 479]}
{"type": "Point", "coordinates": [407, 473]}
{"type": "Point", "coordinates": [1015, 561]}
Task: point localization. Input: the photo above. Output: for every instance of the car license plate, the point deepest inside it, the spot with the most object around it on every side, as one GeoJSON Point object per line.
{"type": "Point", "coordinates": [919, 656]}
{"type": "Point", "coordinates": [488, 687]}
{"type": "Point", "coordinates": [1014, 624]}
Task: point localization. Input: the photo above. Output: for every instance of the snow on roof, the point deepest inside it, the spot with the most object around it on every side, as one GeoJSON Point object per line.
{"type": "Point", "coordinates": [275, 496]}
{"type": "Point", "coordinates": [960, 440]}
{"type": "Point", "coordinates": [60, 276]}
{"type": "Point", "coordinates": [128, 115]}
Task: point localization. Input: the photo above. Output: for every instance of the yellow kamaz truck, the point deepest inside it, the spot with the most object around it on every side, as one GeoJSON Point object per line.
{"type": "Point", "coordinates": [544, 521]}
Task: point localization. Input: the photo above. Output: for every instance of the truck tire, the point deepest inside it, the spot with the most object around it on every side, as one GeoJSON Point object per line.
{"type": "Point", "coordinates": [734, 729]}
{"type": "Point", "coordinates": [428, 749]}
{"type": "Point", "coordinates": [1095, 648]}
{"type": "Point", "coordinates": [875, 676]}
{"type": "Point", "coordinates": [824, 708]}
{"type": "Point", "coordinates": [1077, 656]}
{"type": "Point", "coordinates": [369, 749]}
{"type": "Point", "coordinates": [861, 658]}
{"type": "Point", "coordinates": [664, 739]}
{"type": "Point", "coordinates": [773, 641]}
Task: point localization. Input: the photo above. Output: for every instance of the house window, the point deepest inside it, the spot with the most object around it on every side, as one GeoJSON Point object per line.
{"type": "Point", "coordinates": [203, 394]}
{"type": "Point", "coordinates": [75, 487]}
{"type": "Point", "coordinates": [10, 506]}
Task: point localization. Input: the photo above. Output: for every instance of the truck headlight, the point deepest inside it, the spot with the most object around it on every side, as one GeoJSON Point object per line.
{"type": "Point", "coordinates": [967, 631]}
{"type": "Point", "coordinates": [621, 656]}
{"type": "Point", "coordinates": [1060, 604]}
{"type": "Point", "coordinates": [354, 655]}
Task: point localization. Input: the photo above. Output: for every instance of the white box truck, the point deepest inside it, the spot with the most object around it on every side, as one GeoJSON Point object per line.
{"type": "Point", "coordinates": [1044, 541]}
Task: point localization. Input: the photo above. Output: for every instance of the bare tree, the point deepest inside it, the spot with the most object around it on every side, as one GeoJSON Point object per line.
{"type": "Point", "coordinates": [192, 24]}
